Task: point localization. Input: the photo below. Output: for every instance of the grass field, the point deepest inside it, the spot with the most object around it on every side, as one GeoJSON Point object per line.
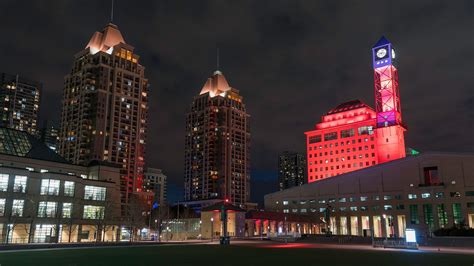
{"type": "Point", "coordinates": [228, 255]}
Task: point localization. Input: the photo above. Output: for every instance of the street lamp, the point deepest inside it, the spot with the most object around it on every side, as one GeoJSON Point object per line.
{"type": "Point", "coordinates": [212, 229]}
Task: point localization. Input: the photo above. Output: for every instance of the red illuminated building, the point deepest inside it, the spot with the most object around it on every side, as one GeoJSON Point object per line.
{"type": "Point", "coordinates": [352, 135]}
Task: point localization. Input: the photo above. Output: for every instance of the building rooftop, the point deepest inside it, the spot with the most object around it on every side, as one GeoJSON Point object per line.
{"type": "Point", "coordinates": [369, 171]}
{"type": "Point", "coordinates": [346, 106]}
{"type": "Point", "coordinates": [215, 85]}
{"type": "Point", "coordinates": [381, 41]}
{"type": "Point", "coordinates": [105, 40]}
{"type": "Point", "coordinates": [22, 144]}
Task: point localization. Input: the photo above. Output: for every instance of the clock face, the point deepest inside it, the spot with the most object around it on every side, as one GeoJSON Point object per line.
{"type": "Point", "coordinates": [381, 52]}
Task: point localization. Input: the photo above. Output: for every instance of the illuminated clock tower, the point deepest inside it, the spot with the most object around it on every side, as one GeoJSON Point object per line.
{"type": "Point", "coordinates": [389, 127]}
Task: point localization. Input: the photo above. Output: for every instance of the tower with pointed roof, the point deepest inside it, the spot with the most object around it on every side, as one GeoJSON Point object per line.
{"type": "Point", "coordinates": [104, 108]}
{"type": "Point", "coordinates": [390, 129]}
{"type": "Point", "coordinates": [217, 144]}
{"type": "Point", "coordinates": [353, 136]}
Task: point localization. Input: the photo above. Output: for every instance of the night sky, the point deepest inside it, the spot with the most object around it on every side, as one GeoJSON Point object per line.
{"type": "Point", "coordinates": [291, 60]}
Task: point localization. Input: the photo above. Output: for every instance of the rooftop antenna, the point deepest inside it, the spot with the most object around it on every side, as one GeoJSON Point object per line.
{"type": "Point", "coordinates": [112, 12]}
{"type": "Point", "coordinates": [217, 59]}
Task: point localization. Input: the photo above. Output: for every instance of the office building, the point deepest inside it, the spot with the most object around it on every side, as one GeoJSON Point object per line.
{"type": "Point", "coordinates": [45, 199]}
{"type": "Point", "coordinates": [217, 144]}
{"type": "Point", "coordinates": [423, 192]}
{"type": "Point", "coordinates": [19, 102]}
{"type": "Point", "coordinates": [291, 169]}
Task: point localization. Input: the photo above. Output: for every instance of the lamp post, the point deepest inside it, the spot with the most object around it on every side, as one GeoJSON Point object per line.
{"type": "Point", "coordinates": [156, 231]}
{"type": "Point", "coordinates": [212, 229]}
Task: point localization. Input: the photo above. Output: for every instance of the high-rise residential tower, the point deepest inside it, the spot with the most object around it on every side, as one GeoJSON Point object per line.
{"type": "Point", "coordinates": [155, 181]}
{"type": "Point", "coordinates": [105, 108]}
{"type": "Point", "coordinates": [48, 134]}
{"type": "Point", "coordinates": [19, 102]}
{"type": "Point", "coordinates": [291, 169]}
{"type": "Point", "coordinates": [352, 135]}
{"type": "Point", "coordinates": [217, 144]}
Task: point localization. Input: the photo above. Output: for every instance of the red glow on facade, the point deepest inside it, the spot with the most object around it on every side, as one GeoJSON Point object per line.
{"type": "Point", "coordinates": [352, 135]}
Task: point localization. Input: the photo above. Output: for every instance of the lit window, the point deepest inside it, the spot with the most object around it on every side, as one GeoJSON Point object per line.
{"type": "Point", "coordinates": [286, 211]}
{"type": "Point", "coordinates": [69, 189]}
{"type": "Point", "coordinates": [93, 212]}
{"type": "Point", "coordinates": [47, 209]}
{"type": "Point", "coordinates": [425, 195]}
{"type": "Point", "coordinates": [3, 182]}
{"type": "Point", "coordinates": [353, 208]}
{"type": "Point", "coordinates": [17, 208]}
{"type": "Point", "coordinates": [285, 202]}
{"type": "Point", "coordinates": [342, 199]}
{"type": "Point", "coordinates": [387, 207]}
{"type": "Point", "coordinates": [67, 210]}
{"type": "Point", "coordinates": [363, 198]}
{"type": "Point", "coordinates": [2, 207]}
{"type": "Point", "coordinates": [50, 187]}
{"type": "Point", "coordinates": [387, 197]}
{"type": "Point", "coordinates": [20, 184]}
{"type": "Point", "coordinates": [94, 193]}
{"type": "Point", "coordinates": [411, 196]}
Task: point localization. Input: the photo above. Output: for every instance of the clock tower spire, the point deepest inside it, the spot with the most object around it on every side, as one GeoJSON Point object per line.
{"type": "Point", "coordinates": [390, 129]}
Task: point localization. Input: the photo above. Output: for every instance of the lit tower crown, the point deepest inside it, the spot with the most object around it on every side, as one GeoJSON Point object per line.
{"type": "Point", "coordinates": [390, 130]}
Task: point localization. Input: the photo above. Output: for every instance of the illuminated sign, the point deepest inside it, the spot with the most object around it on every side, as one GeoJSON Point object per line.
{"type": "Point", "coordinates": [410, 235]}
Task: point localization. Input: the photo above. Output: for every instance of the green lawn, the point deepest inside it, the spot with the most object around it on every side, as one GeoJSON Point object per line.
{"type": "Point", "coordinates": [227, 255]}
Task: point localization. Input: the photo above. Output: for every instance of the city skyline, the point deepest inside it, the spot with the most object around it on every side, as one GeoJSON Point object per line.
{"type": "Point", "coordinates": [288, 76]}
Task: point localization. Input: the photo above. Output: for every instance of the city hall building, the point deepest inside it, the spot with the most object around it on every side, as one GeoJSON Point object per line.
{"type": "Point", "coordinates": [424, 192]}
{"type": "Point", "coordinates": [45, 199]}
{"type": "Point", "coordinates": [352, 135]}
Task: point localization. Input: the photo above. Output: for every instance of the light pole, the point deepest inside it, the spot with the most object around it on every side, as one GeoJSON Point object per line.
{"type": "Point", "coordinates": [156, 231]}
{"type": "Point", "coordinates": [212, 229]}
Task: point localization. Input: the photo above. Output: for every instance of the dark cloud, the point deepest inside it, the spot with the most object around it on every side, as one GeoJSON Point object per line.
{"type": "Point", "coordinates": [291, 60]}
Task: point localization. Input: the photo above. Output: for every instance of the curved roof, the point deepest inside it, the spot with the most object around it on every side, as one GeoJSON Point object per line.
{"type": "Point", "coordinates": [350, 105]}
{"type": "Point", "coordinates": [215, 85]}
{"type": "Point", "coordinates": [105, 40]}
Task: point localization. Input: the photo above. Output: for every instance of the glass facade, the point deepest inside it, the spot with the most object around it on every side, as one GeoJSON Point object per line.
{"type": "Point", "coordinates": [457, 214]}
{"type": "Point", "coordinates": [414, 219]}
{"type": "Point", "coordinates": [94, 193]}
{"type": "Point", "coordinates": [69, 188]}
{"type": "Point", "coordinates": [428, 215]}
{"type": "Point", "coordinates": [17, 207]}
{"type": "Point", "coordinates": [14, 142]}
{"type": "Point", "coordinates": [47, 209]}
{"type": "Point", "coordinates": [67, 210]}
{"type": "Point", "coordinates": [2, 207]}
{"type": "Point", "coordinates": [93, 212]}
{"type": "Point", "coordinates": [50, 187]}
{"type": "Point", "coordinates": [20, 184]}
{"type": "Point", "coordinates": [3, 182]}
{"type": "Point", "coordinates": [442, 216]}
